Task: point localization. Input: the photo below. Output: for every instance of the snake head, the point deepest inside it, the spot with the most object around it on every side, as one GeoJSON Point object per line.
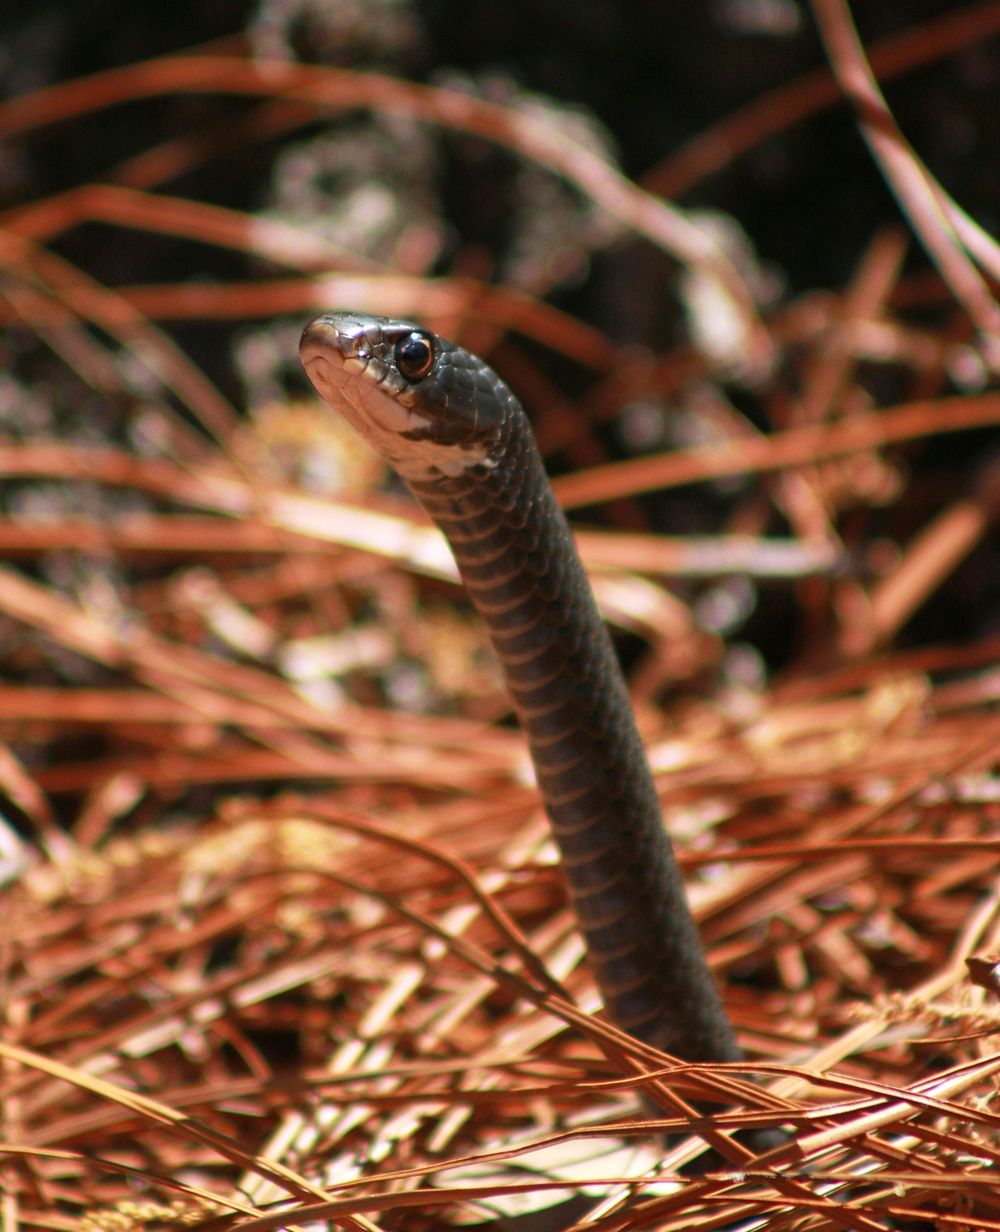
{"type": "Point", "coordinates": [428, 406]}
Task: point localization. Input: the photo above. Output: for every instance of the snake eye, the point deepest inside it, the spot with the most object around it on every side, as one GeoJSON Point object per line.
{"type": "Point", "coordinates": [415, 356]}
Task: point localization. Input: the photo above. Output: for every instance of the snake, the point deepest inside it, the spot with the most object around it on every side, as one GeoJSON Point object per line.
{"type": "Point", "coordinates": [459, 439]}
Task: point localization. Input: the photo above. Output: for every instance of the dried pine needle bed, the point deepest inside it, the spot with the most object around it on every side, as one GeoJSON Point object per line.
{"type": "Point", "coordinates": [284, 938]}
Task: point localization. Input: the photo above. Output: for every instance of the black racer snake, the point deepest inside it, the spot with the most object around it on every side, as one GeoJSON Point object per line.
{"type": "Point", "coordinates": [459, 439]}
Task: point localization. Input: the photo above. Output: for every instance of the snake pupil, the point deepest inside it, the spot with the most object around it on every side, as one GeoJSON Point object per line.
{"type": "Point", "coordinates": [415, 356]}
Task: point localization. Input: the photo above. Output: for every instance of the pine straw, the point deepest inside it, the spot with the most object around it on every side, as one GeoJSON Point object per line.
{"type": "Point", "coordinates": [279, 951]}
{"type": "Point", "coordinates": [312, 998]}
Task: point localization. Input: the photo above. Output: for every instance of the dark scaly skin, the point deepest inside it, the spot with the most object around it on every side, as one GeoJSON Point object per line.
{"type": "Point", "coordinates": [517, 558]}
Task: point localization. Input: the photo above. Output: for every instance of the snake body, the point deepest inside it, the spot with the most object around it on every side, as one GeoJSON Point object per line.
{"type": "Point", "coordinates": [462, 443]}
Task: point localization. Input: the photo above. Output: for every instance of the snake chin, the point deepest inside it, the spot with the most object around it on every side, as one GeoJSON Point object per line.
{"type": "Point", "coordinates": [400, 434]}
{"type": "Point", "coordinates": [426, 460]}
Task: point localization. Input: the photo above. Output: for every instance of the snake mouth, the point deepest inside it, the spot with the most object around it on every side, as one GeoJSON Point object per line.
{"type": "Point", "coordinates": [351, 367]}
{"type": "Point", "coordinates": [343, 363]}
{"type": "Point", "coordinates": [352, 364]}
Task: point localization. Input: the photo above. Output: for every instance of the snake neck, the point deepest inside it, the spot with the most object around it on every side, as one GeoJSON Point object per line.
{"type": "Point", "coordinates": [520, 566]}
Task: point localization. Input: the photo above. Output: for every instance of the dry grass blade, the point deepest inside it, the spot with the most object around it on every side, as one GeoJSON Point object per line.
{"type": "Point", "coordinates": [330, 88]}
{"type": "Point", "coordinates": [795, 447]}
{"type": "Point", "coordinates": [929, 207]}
{"type": "Point", "coordinates": [709, 152]}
